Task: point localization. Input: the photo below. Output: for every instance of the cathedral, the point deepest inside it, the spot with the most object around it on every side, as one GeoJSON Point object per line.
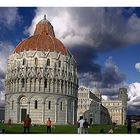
{"type": "Point", "coordinates": [99, 111]}
{"type": "Point", "coordinates": [41, 79]}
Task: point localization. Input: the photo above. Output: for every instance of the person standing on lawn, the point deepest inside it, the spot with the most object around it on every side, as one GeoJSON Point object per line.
{"type": "Point", "coordinates": [49, 124]}
{"type": "Point", "coordinates": [86, 125]}
{"type": "Point", "coordinates": [129, 125]}
{"type": "Point", "coordinates": [81, 122]}
{"type": "Point", "coordinates": [27, 123]}
{"type": "Point", "coordinates": [138, 126]}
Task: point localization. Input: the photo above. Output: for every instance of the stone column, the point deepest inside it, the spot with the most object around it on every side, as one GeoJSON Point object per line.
{"type": "Point", "coordinates": [18, 112]}
{"type": "Point", "coordinates": [51, 85]}
{"type": "Point", "coordinates": [28, 85]}
{"type": "Point", "coordinates": [42, 85]}
{"type": "Point", "coordinates": [56, 108]}
{"type": "Point", "coordinates": [48, 85]}
{"type": "Point", "coordinates": [39, 84]}
{"type": "Point", "coordinates": [55, 86]}
{"type": "Point", "coordinates": [20, 85]}
{"type": "Point", "coordinates": [28, 106]}
{"type": "Point", "coordinates": [12, 85]}
{"type": "Point", "coordinates": [64, 87]}
{"type": "Point", "coordinates": [17, 85]}
{"type": "Point", "coordinates": [66, 118]}
{"type": "Point", "coordinates": [60, 86]}
{"type": "Point", "coordinates": [72, 89]}
{"type": "Point", "coordinates": [32, 85]}
{"type": "Point", "coordinates": [67, 88]}
{"type": "Point", "coordinates": [43, 112]}
{"type": "Point", "coordinates": [73, 112]}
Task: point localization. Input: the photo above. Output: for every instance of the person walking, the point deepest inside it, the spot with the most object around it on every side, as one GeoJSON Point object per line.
{"type": "Point", "coordinates": [138, 126]}
{"type": "Point", "coordinates": [49, 124]}
{"type": "Point", "coordinates": [86, 125]}
{"type": "Point", "coordinates": [129, 125]}
{"type": "Point", "coordinates": [27, 123]}
{"type": "Point", "coordinates": [81, 128]}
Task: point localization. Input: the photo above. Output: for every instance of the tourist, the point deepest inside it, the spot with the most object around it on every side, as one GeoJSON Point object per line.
{"type": "Point", "coordinates": [9, 122]}
{"type": "Point", "coordinates": [110, 131]}
{"type": "Point", "coordinates": [129, 125]}
{"type": "Point", "coordinates": [78, 127]}
{"type": "Point", "coordinates": [49, 124]}
{"type": "Point", "coordinates": [138, 126]}
{"type": "Point", "coordinates": [81, 121]}
{"type": "Point", "coordinates": [86, 125]}
{"type": "Point", "coordinates": [27, 123]}
{"type": "Point", "coordinates": [90, 122]}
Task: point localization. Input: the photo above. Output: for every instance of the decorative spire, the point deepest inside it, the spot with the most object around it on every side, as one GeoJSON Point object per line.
{"type": "Point", "coordinates": [44, 17]}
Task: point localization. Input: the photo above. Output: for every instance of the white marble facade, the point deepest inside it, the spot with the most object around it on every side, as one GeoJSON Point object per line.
{"type": "Point", "coordinates": [93, 107]}
{"type": "Point", "coordinates": [43, 84]}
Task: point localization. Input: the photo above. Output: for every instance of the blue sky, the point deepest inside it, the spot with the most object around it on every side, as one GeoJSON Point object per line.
{"type": "Point", "coordinates": [104, 41]}
{"type": "Point", "coordinates": [125, 59]}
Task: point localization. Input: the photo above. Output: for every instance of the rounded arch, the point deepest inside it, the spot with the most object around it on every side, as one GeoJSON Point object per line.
{"type": "Point", "coordinates": [20, 96]}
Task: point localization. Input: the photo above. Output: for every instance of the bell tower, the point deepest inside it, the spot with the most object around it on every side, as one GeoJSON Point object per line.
{"type": "Point", "coordinates": [124, 98]}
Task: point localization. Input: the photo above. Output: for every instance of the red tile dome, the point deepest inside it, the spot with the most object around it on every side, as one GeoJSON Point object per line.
{"type": "Point", "coordinates": [42, 40]}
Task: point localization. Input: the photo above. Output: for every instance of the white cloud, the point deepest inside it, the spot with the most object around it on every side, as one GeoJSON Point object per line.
{"type": "Point", "coordinates": [5, 50]}
{"type": "Point", "coordinates": [2, 96]}
{"type": "Point", "coordinates": [97, 27]}
{"type": "Point", "coordinates": [137, 66]}
{"type": "Point", "coordinates": [134, 94]}
{"type": "Point", "coordinates": [65, 27]}
{"type": "Point", "coordinates": [104, 97]}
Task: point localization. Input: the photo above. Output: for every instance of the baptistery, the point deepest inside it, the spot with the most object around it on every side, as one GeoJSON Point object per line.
{"type": "Point", "coordinates": [41, 79]}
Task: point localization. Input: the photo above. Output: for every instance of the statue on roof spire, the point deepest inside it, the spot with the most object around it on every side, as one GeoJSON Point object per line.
{"type": "Point", "coordinates": [44, 17]}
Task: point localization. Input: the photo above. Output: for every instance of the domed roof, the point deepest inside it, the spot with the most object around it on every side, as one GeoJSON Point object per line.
{"type": "Point", "coordinates": [42, 40]}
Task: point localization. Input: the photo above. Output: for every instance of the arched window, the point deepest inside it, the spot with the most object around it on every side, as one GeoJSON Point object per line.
{"type": "Point", "coordinates": [48, 62]}
{"type": "Point", "coordinates": [49, 105]}
{"type": "Point", "coordinates": [61, 106]}
{"type": "Point", "coordinates": [45, 83]}
{"type": "Point", "coordinates": [24, 61]}
{"type": "Point", "coordinates": [62, 86]}
{"type": "Point", "coordinates": [36, 104]}
{"type": "Point", "coordinates": [59, 63]}
{"type": "Point", "coordinates": [36, 61]}
{"type": "Point", "coordinates": [22, 82]}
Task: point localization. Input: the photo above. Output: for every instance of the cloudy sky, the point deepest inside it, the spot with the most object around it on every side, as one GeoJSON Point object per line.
{"type": "Point", "coordinates": [104, 41]}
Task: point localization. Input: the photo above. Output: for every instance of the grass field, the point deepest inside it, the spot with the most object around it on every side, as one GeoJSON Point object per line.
{"type": "Point", "coordinates": [62, 129]}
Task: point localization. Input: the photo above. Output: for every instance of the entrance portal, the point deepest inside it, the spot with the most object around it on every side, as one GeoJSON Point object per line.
{"type": "Point", "coordinates": [23, 114]}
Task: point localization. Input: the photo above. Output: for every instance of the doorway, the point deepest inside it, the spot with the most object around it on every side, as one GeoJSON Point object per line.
{"type": "Point", "coordinates": [23, 114]}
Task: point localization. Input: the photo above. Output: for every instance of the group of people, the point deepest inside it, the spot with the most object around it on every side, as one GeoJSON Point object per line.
{"type": "Point", "coordinates": [128, 124]}
{"type": "Point", "coordinates": [82, 126]}
{"type": "Point", "coordinates": [82, 123]}
{"type": "Point", "coordinates": [27, 124]}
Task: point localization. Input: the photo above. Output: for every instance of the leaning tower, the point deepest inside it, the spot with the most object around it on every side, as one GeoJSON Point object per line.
{"type": "Point", "coordinates": [41, 79]}
{"type": "Point", "coordinates": [124, 98]}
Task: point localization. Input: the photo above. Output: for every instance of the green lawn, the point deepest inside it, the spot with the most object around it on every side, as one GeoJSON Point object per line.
{"type": "Point", "coordinates": [62, 129]}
